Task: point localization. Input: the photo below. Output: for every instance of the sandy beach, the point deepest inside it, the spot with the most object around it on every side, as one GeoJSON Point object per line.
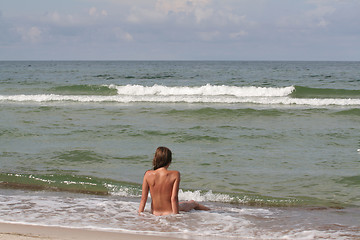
{"type": "Point", "coordinates": [30, 232]}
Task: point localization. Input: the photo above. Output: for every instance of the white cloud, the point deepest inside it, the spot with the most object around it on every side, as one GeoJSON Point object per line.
{"type": "Point", "coordinates": [122, 35]}
{"type": "Point", "coordinates": [237, 35]}
{"type": "Point", "coordinates": [95, 13]}
{"type": "Point", "coordinates": [144, 15]}
{"type": "Point", "coordinates": [209, 36]}
{"type": "Point", "coordinates": [81, 19]}
{"type": "Point", "coordinates": [55, 17]}
{"type": "Point", "coordinates": [65, 20]}
{"type": "Point", "coordinates": [128, 37]}
{"type": "Point", "coordinates": [104, 13]}
{"type": "Point", "coordinates": [177, 6]}
{"type": "Point", "coordinates": [182, 12]}
{"type": "Point", "coordinates": [92, 11]}
{"type": "Point", "coordinates": [32, 34]}
{"type": "Point", "coordinates": [319, 15]}
{"type": "Point", "coordinates": [203, 14]}
{"type": "Point", "coordinates": [196, 19]}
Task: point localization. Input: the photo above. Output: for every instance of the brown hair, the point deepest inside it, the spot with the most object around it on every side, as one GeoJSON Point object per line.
{"type": "Point", "coordinates": [162, 157]}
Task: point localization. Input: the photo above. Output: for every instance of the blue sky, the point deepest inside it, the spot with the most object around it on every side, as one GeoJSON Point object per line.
{"type": "Point", "coordinates": [180, 30]}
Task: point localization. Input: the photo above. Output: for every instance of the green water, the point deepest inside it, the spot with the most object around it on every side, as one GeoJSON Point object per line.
{"type": "Point", "coordinates": [265, 154]}
{"type": "Point", "coordinates": [274, 153]}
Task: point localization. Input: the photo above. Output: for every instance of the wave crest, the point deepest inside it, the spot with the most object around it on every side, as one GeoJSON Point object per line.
{"type": "Point", "coordinates": [202, 94]}
{"type": "Point", "coordinates": [206, 90]}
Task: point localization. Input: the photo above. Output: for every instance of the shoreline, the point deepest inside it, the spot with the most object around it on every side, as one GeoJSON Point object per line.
{"type": "Point", "coordinates": [16, 231]}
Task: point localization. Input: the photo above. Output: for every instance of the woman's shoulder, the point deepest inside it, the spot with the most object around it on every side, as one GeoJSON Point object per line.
{"type": "Point", "coordinates": [174, 173]}
{"type": "Point", "coordinates": [149, 172]}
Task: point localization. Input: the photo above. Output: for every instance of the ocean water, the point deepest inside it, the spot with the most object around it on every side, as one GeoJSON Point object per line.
{"type": "Point", "coordinates": [272, 147]}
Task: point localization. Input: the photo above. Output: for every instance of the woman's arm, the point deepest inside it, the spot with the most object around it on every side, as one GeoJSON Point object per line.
{"type": "Point", "coordinates": [175, 193]}
{"type": "Point", "coordinates": [144, 194]}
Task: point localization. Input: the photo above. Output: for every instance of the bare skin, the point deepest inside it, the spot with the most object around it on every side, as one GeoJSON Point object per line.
{"type": "Point", "coordinates": [164, 188]}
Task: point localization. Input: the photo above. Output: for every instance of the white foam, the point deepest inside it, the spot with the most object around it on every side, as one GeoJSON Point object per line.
{"type": "Point", "coordinates": [122, 191]}
{"type": "Point", "coordinates": [202, 94]}
{"type": "Point", "coordinates": [179, 99]}
{"type": "Point", "coordinates": [315, 234]}
{"type": "Point", "coordinates": [202, 197]}
{"type": "Point", "coordinates": [119, 214]}
{"type": "Point", "coordinates": [206, 90]}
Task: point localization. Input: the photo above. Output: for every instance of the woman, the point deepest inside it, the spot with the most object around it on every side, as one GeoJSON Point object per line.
{"type": "Point", "coordinates": [164, 187]}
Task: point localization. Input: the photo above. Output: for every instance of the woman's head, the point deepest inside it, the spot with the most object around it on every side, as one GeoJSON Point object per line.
{"type": "Point", "coordinates": [162, 157]}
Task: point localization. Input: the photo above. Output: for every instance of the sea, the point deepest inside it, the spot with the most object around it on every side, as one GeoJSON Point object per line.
{"type": "Point", "coordinates": [272, 147]}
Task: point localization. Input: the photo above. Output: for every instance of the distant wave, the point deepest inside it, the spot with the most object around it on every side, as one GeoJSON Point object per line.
{"type": "Point", "coordinates": [307, 92]}
{"type": "Point", "coordinates": [84, 90]}
{"type": "Point", "coordinates": [201, 94]}
{"type": "Point", "coordinates": [206, 90]}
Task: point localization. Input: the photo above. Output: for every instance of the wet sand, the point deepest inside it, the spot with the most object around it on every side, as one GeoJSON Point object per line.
{"type": "Point", "coordinates": [31, 232]}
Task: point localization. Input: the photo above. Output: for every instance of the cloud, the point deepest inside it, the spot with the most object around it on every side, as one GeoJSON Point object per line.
{"type": "Point", "coordinates": [182, 29]}
{"type": "Point", "coordinates": [143, 15]}
{"type": "Point", "coordinates": [203, 14]}
{"type": "Point", "coordinates": [187, 21]}
{"type": "Point", "coordinates": [64, 20]}
{"type": "Point", "coordinates": [95, 13]}
{"type": "Point", "coordinates": [318, 16]}
{"type": "Point", "coordinates": [208, 36]}
{"type": "Point", "coordinates": [178, 6]}
{"type": "Point", "coordinates": [92, 11]}
{"type": "Point", "coordinates": [122, 35]}
{"type": "Point", "coordinates": [79, 19]}
{"type": "Point", "coordinates": [237, 35]}
{"type": "Point", "coordinates": [32, 34]}
{"type": "Point", "coordinates": [185, 12]}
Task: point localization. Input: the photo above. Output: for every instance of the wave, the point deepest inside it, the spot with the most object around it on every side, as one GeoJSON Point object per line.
{"type": "Point", "coordinates": [203, 94]}
{"type": "Point", "coordinates": [68, 183]}
{"type": "Point", "coordinates": [350, 181]}
{"type": "Point", "coordinates": [84, 90]}
{"type": "Point", "coordinates": [101, 186]}
{"type": "Point", "coordinates": [208, 112]}
{"type": "Point", "coordinates": [179, 99]}
{"type": "Point", "coordinates": [206, 90]}
{"type": "Point", "coordinates": [307, 92]}
{"type": "Point", "coordinates": [350, 112]}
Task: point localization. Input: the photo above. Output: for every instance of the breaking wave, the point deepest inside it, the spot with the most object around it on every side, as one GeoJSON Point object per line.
{"type": "Point", "coordinates": [101, 186]}
{"type": "Point", "coordinates": [202, 94]}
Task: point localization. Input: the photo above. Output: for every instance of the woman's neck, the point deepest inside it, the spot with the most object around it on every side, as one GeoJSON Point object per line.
{"type": "Point", "coordinates": [163, 168]}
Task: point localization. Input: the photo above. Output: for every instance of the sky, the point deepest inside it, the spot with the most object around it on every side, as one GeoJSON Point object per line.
{"type": "Point", "coordinates": [180, 30]}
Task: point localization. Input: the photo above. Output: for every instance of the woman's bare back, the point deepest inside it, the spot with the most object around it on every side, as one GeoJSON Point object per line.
{"type": "Point", "coordinates": [164, 186]}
